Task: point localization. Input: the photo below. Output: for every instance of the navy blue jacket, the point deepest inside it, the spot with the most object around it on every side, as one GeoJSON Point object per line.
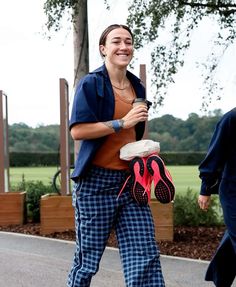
{"type": "Point", "coordinates": [220, 161]}
{"type": "Point", "coordinates": [218, 174]}
{"type": "Point", "coordinates": [94, 102]}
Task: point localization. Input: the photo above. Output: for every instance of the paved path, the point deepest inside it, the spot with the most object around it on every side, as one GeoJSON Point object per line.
{"type": "Point", "coordinates": [31, 261]}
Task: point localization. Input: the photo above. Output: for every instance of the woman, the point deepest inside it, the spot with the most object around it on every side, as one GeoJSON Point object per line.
{"type": "Point", "coordinates": [104, 120]}
{"type": "Point", "coordinates": [218, 174]}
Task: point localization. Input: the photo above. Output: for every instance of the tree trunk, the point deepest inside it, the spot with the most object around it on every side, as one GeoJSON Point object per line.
{"type": "Point", "coordinates": [81, 45]}
{"type": "Point", "coordinates": [81, 49]}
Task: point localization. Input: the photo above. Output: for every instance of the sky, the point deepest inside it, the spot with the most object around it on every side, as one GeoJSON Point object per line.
{"type": "Point", "coordinates": [31, 65]}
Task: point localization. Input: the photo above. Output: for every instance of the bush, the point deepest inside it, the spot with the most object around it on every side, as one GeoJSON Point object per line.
{"type": "Point", "coordinates": [34, 191]}
{"type": "Point", "coordinates": [188, 213]}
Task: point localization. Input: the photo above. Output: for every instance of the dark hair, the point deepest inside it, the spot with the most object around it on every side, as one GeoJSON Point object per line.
{"type": "Point", "coordinates": [103, 37]}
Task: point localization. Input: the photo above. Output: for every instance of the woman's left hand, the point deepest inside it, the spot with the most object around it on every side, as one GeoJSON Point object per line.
{"type": "Point", "coordinates": [135, 115]}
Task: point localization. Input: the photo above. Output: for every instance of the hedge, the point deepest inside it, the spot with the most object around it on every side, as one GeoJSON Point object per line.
{"type": "Point", "coordinates": [182, 158]}
{"type": "Point", "coordinates": [18, 159]}
{"type": "Point", "coordinates": [53, 159]}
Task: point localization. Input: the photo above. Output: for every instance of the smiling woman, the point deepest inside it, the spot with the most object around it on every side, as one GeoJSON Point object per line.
{"type": "Point", "coordinates": [104, 119]}
{"type": "Point", "coordinates": [116, 46]}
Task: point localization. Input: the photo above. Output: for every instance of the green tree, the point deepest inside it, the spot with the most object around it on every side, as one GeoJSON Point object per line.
{"type": "Point", "coordinates": [78, 15]}
{"type": "Point", "coordinates": [165, 123]}
{"type": "Point", "coordinates": [192, 135]}
{"type": "Point", "coordinates": [150, 19]}
{"type": "Point", "coordinates": [23, 138]}
{"type": "Point", "coordinates": [76, 10]}
{"type": "Point", "coordinates": [176, 20]}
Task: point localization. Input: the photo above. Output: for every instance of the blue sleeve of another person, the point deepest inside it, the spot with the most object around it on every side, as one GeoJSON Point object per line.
{"type": "Point", "coordinates": [211, 168]}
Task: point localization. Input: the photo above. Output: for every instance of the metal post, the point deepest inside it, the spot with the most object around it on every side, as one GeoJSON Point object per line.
{"type": "Point", "coordinates": [64, 138]}
{"type": "Point", "coordinates": [4, 150]}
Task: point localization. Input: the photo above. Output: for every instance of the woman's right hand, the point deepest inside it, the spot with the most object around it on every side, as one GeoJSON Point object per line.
{"type": "Point", "coordinates": [96, 130]}
{"type": "Point", "coordinates": [204, 201]}
{"type": "Point", "coordinates": [137, 114]}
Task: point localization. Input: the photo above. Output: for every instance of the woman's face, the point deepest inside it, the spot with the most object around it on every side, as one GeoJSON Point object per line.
{"type": "Point", "coordinates": [118, 49]}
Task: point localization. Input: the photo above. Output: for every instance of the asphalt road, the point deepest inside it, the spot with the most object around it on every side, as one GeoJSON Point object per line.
{"type": "Point", "coordinates": [31, 261]}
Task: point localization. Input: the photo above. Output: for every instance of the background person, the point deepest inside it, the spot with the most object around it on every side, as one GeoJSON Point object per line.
{"type": "Point", "coordinates": [218, 174]}
{"type": "Point", "coordinates": [104, 120]}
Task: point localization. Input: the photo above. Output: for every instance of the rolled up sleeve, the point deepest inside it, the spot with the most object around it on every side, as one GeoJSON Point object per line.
{"type": "Point", "coordinates": [85, 103]}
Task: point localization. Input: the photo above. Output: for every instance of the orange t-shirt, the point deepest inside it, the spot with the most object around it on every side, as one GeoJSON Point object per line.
{"type": "Point", "coordinates": [108, 156]}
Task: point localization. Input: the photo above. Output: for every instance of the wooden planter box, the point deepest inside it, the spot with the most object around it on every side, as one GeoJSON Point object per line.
{"type": "Point", "coordinates": [163, 220]}
{"type": "Point", "coordinates": [56, 214]}
{"type": "Point", "coordinates": [12, 208]}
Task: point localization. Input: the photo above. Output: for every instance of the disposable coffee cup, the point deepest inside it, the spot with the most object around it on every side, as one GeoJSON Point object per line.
{"type": "Point", "coordinates": [139, 101]}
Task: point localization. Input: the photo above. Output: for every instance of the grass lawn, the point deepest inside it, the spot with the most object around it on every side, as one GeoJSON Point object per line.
{"type": "Point", "coordinates": [184, 177]}
{"type": "Point", "coordinates": [44, 174]}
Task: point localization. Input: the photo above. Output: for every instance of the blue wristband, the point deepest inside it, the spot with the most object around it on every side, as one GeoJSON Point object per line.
{"type": "Point", "coordinates": [117, 125]}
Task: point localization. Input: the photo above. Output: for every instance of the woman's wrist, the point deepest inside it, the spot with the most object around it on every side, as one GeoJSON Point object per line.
{"type": "Point", "coordinates": [117, 125]}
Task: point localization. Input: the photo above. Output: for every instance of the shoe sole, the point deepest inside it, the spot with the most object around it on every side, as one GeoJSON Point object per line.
{"type": "Point", "coordinates": [138, 191]}
{"type": "Point", "coordinates": [164, 189]}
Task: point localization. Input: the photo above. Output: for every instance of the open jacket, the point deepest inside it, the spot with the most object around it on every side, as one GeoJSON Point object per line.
{"type": "Point", "coordinates": [218, 174]}
{"type": "Point", "coordinates": [94, 102]}
{"type": "Point", "coordinates": [220, 161]}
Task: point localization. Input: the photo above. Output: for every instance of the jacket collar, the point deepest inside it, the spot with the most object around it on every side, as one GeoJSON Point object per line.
{"type": "Point", "coordinates": [135, 81]}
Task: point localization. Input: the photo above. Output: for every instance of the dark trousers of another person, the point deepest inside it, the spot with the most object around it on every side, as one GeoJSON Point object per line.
{"type": "Point", "coordinates": [222, 268]}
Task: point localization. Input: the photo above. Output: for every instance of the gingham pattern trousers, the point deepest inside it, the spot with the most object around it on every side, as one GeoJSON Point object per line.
{"type": "Point", "coordinates": [97, 211]}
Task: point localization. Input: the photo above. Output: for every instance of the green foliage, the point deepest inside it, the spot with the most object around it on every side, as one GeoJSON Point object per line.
{"type": "Point", "coordinates": [168, 26]}
{"type": "Point", "coordinates": [183, 158]}
{"type": "Point", "coordinates": [56, 9]}
{"type": "Point", "coordinates": [174, 134]}
{"type": "Point", "coordinates": [47, 160]}
{"type": "Point", "coordinates": [23, 138]}
{"type": "Point", "coordinates": [35, 159]}
{"type": "Point", "coordinates": [43, 139]}
{"type": "Point", "coordinates": [34, 191]}
{"type": "Point", "coordinates": [188, 213]}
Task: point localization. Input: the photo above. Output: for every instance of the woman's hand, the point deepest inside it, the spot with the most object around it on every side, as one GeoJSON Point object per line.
{"type": "Point", "coordinates": [134, 116]}
{"type": "Point", "coordinates": [204, 201]}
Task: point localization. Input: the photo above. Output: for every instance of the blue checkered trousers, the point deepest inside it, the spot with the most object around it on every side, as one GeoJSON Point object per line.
{"type": "Point", "coordinates": [98, 209]}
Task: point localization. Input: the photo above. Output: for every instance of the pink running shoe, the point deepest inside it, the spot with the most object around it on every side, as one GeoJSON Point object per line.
{"type": "Point", "coordinates": [141, 189]}
{"type": "Point", "coordinates": [163, 186]}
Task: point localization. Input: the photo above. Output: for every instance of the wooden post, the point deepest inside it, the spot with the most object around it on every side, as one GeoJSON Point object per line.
{"type": "Point", "coordinates": [143, 77]}
{"type": "Point", "coordinates": [142, 74]}
{"type": "Point", "coordinates": [64, 138]}
{"type": "Point", "coordinates": [4, 151]}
